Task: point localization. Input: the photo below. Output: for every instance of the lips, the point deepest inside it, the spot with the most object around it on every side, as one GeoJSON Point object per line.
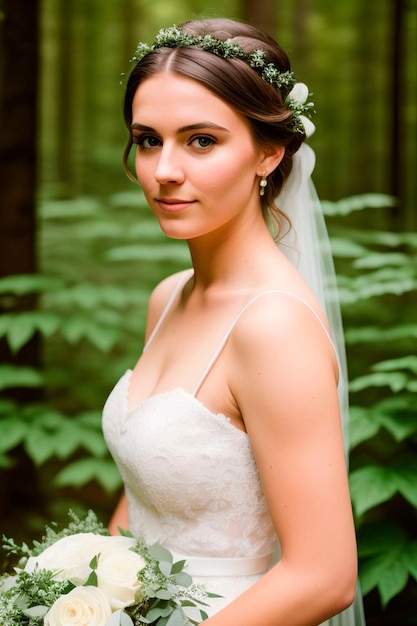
{"type": "Point", "coordinates": [172, 205]}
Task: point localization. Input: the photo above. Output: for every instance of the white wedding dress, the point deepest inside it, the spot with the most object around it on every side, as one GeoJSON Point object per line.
{"type": "Point", "coordinates": [192, 484]}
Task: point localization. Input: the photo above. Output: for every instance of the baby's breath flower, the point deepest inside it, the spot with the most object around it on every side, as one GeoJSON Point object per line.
{"type": "Point", "coordinates": [174, 37]}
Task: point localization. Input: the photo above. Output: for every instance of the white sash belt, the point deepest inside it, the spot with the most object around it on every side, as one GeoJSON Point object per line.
{"type": "Point", "coordinates": [219, 566]}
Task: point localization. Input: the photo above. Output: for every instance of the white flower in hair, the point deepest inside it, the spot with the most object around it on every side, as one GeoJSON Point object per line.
{"type": "Point", "coordinates": [299, 95]}
{"type": "Point", "coordinates": [309, 127]}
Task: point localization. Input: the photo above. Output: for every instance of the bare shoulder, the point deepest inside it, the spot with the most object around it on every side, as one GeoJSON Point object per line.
{"type": "Point", "coordinates": [160, 296]}
{"type": "Point", "coordinates": [281, 332]}
{"type": "Point", "coordinates": [164, 289]}
{"type": "Point", "coordinates": [281, 315]}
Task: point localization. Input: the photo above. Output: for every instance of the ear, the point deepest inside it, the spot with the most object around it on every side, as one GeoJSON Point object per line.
{"type": "Point", "coordinates": [270, 158]}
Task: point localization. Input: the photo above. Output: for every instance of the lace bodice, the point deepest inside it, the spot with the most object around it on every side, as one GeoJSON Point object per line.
{"type": "Point", "coordinates": [190, 476]}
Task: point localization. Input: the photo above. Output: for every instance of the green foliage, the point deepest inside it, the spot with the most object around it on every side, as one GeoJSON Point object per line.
{"type": "Point", "coordinates": [378, 281]}
{"type": "Point", "coordinates": [89, 304]}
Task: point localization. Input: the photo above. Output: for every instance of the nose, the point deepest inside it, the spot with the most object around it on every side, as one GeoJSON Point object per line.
{"type": "Point", "coordinates": [168, 168]}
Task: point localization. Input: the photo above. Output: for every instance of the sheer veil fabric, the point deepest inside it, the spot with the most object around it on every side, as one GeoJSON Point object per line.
{"type": "Point", "coordinates": [307, 246]}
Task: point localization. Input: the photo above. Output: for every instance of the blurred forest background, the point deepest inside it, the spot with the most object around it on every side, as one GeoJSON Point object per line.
{"type": "Point", "coordinates": [79, 252]}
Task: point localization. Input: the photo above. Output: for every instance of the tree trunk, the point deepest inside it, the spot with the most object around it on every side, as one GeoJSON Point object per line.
{"type": "Point", "coordinates": [18, 149]}
{"type": "Point", "coordinates": [260, 13]}
{"type": "Point", "coordinates": [397, 143]}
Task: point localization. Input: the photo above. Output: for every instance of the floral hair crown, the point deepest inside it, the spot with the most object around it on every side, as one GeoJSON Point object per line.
{"type": "Point", "coordinates": [297, 93]}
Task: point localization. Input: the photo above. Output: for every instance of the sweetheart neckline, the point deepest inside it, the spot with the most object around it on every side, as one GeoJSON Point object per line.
{"type": "Point", "coordinates": [129, 411]}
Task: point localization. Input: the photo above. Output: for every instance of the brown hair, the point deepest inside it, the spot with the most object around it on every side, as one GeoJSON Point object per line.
{"type": "Point", "coordinates": [236, 83]}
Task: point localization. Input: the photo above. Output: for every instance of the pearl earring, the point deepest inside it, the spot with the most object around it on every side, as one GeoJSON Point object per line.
{"type": "Point", "coordinates": [262, 184]}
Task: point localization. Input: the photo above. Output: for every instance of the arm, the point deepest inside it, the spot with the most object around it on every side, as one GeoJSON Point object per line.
{"type": "Point", "coordinates": [287, 394]}
{"type": "Point", "coordinates": [119, 518]}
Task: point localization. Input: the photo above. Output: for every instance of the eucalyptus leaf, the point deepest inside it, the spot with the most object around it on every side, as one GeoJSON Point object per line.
{"type": "Point", "coordinates": [165, 567]}
{"type": "Point", "coordinates": [163, 594]}
{"type": "Point", "coordinates": [177, 618]}
{"type": "Point", "coordinates": [120, 618]}
{"type": "Point", "coordinates": [178, 566]}
{"type": "Point", "coordinates": [183, 579]}
{"type": "Point", "coordinates": [160, 553]}
{"type": "Point", "coordinates": [37, 611]}
{"type": "Point", "coordinates": [158, 612]}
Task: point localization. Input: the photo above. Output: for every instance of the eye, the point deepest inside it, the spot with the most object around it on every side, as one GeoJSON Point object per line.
{"type": "Point", "coordinates": [202, 142]}
{"type": "Point", "coordinates": [146, 141]}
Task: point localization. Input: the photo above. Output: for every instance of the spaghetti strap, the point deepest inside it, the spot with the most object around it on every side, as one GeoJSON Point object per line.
{"type": "Point", "coordinates": [180, 284]}
{"type": "Point", "coordinates": [237, 318]}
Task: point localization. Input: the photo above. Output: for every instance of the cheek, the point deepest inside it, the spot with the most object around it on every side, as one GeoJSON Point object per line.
{"type": "Point", "coordinates": [229, 163]}
{"type": "Point", "coordinates": [227, 176]}
{"type": "Point", "coordinates": [144, 171]}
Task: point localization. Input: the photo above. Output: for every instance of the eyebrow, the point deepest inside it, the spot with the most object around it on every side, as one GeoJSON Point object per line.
{"type": "Point", "coordinates": [183, 129]}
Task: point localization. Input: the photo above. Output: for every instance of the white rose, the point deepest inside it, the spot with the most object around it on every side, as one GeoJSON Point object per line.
{"type": "Point", "coordinates": [117, 577]}
{"type": "Point", "coordinates": [69, 557]}
{"type": "Point", "coordinates": [309, 127]}
{"type": "Point", "coordinates": [115, 542]}
{"type": "Point", "coordinates": [299, 93]}
{"type": "Point", "coordinates": [83, 606]}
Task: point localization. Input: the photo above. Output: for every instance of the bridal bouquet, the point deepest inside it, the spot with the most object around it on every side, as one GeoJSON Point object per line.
{"type": "Point", "coordinates": [83, 576]}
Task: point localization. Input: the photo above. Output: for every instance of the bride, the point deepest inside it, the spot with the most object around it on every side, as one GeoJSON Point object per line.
{"type": "Point", "coordinates": [228, 431]}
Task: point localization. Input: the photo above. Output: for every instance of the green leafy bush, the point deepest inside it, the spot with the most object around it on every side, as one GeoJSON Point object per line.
{"type": "Point", "coordinates": [92, 300]}
{"type": "Point", "coordinates": [377, 273]}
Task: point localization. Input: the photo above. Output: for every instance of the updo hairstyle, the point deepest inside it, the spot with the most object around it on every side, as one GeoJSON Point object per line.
{"type": "Point", "coordinates": [234, 82]}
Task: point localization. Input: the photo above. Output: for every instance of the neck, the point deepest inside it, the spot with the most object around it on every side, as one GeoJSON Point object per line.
{"type": "Point", "coordinates": [235, 259]}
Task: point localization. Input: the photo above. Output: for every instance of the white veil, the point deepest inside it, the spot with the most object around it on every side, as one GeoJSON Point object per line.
{"type": "Point", "coordinates": [308, 248]}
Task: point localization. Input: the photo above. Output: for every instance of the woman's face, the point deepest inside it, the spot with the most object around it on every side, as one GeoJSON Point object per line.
{"type": "Point", "coordinates": [196, 160]}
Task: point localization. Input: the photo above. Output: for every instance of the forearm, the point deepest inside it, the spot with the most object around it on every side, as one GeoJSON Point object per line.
{"type": "Point", "coordinates": [286, 597]}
